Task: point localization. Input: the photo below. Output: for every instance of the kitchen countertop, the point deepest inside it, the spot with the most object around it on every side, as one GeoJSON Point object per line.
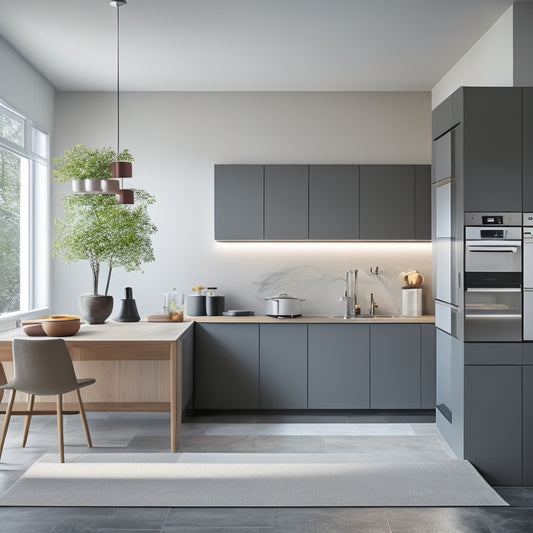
{"type": "Point", "coordinates": [314, 319]}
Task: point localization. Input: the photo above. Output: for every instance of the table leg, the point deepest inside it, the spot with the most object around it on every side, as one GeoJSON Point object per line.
{"type": "Point", "coordinates": [175, 395]}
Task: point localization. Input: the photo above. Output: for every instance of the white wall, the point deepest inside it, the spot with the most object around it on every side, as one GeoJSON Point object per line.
{"type": "Point", "coordinates": [488, 63]}
{"type": "Point", "coordinates": [25, 89]}
{"type": "Point", "coordinates": [176, 139]}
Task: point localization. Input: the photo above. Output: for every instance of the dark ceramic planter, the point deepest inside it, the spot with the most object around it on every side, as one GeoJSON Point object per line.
{"type": "Point", "coordinates": [95, 309]}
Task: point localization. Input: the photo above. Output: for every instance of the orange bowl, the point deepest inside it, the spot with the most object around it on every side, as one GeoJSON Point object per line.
{"type": "Point", "coordinates": [61, 325]}
{"type": "Point", "coordinates": [34, 330]}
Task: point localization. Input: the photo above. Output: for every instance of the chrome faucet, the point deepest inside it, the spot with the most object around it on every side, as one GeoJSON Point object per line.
{"type": "Point", "coordinates": [373, 305]}
{"type": "Point", "coordinates": [347, 299]}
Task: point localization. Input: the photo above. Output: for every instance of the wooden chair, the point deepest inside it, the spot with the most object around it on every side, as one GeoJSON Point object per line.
{"type": "Point", "coordinates": [43, 367]}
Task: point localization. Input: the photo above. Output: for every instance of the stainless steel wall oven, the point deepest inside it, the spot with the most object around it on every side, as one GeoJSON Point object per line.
{"type": "Point", "coordinates": [493, 277]}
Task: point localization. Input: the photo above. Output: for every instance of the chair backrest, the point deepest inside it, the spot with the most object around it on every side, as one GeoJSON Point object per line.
{"type": "Point", "coordinates": [42, 366]}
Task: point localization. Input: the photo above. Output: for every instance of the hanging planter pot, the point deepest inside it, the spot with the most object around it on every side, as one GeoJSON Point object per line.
{"type": "Point", "coordinates": [110, 186]}
{"type": "Point", "coordinates": [78, 186]}
{"type": "Point", "coordinates": [94, 186]}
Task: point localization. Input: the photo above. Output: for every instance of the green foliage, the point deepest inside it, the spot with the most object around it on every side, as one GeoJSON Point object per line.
{"type": "Point", "coordinates": [99, 229]}
{"type": "Point", "coordinates": [9, 232]}
{"type": "Point", "coordinates": [83, 162]}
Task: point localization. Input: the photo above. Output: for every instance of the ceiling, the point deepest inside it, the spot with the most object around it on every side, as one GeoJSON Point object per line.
{"type": "Point", "coordinates": [248, 45]}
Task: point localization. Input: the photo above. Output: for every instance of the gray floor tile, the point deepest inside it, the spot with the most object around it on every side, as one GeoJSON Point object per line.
{"type": "Point", "coordinates": [508, 520]}
{"type": "Point", "coordinates": [230, 529]}
{"type": "Point", "coordinates": [220, 517]}
{"type": "Point", "coordinates": [436, 520]}
{"type": "Point", "coordinates": [338, 519]}
{"type": "Point", "coordinates": [56, 519]}
{"type": "Point", "coordinates": [516, 496]}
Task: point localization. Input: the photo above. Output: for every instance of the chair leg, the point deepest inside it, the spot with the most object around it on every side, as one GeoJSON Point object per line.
{"type": "Point", "coordinates": [59, 406]}
{"type": "Point", "coordinates": [7, 419]}
{"type": "Point", "coordinates": [27, 421]}
{"type": "Point", "coordinates": [84, 420]}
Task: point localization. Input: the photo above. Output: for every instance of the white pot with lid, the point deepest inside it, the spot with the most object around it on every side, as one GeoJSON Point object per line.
{"type": "Point", "coordinates": [284, 306]}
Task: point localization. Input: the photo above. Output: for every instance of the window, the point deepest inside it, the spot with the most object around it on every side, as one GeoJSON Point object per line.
{"type": "Point", "coordinates": [24, 215]}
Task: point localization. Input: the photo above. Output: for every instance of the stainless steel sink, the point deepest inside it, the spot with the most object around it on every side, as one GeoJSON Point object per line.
{"type": "Point", "coordinates": [365, 316]}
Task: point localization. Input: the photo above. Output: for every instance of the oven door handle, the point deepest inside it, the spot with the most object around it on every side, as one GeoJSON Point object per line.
{"type": "Point", "coordinates": [495, 289]}
{"type": "Point", "coordinates": [474, 248]}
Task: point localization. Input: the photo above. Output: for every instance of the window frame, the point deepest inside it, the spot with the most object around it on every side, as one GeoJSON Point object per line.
{"type": "Point", "coordinates": [35, 222]}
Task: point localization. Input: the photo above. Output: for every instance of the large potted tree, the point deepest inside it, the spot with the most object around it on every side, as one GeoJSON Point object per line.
{"type": "Point", "coordinates": [96, 228]}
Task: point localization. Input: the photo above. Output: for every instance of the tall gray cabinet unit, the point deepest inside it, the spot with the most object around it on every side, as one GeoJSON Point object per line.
{"type": "Point", "coordinates": [480, 135]}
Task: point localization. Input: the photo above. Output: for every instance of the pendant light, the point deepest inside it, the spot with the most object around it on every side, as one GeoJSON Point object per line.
{"type": "Point", "coordinates": [120, 169]}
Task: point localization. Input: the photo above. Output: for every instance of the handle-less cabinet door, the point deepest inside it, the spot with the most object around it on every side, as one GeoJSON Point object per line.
{"type": "Point", "coordinates": [428, 374]}
{"type": "Point", "coordinates": [492, 149]}
{"type": "Point", "coordinates": [527, 153]}
{"type": "Point", "coordinates": [283, 366]}
{"type": "Point", "coordinates": [286, 202]}
{"type": "Point", "coordinates": [395, 366]}
{"type": "Point", "coordinates": [528, 425]}
{"type": "Point", "coordinates": [226, 366]}
{"type": "Point", "coordinates": [338, 359]}
{"type": "Point", "coordinates": [333, 202]}
{"type": "Point", "coordinates": [238, 202]}
{"type": "Point", "coordinates": [387, 198]}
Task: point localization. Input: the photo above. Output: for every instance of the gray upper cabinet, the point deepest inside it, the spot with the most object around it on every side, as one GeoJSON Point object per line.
{"type": "Point", "coordinates": [226, 366]}
{"type": "Point", "coordinates": [492, 149]}
{"type": "Point", "coordinates": [395, 366]}
{"type": "Point", "coordinates": [338, 366]}
{"type": "Point", "coordinates": [527, 191]}
{"type": "Point", "coordinates": [239, 191]}
{"type": "Point", "coordinates": [322, 202]}
{"type": "Point", "coordinates": [387, 204]}
{"type": "Point", "coordinates": [286, 202]}
{"type": "Point", "coordinates": [283, 366]}
{"type": "Point", "coordinates": [333, 202]}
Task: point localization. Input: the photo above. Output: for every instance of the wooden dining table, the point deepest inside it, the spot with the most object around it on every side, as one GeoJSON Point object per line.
{"type": "Point", "coordinates": [138, 366]}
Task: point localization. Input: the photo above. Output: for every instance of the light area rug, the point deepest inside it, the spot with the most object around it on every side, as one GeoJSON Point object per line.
{"type": "Point", "coordinates": [247, 480]}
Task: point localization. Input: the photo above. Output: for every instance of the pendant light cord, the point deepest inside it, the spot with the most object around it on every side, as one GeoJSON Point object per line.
{"type": "Point", "coordinates": [118, 79]}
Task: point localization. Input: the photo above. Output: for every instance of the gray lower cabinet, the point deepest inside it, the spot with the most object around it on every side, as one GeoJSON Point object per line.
{"type": "Point", "coordinates": [387, 196]}
{"type": "Point", "coordinates": [283, 366]}
{"type": "Point", "coordinates": [286, 202]}
{"type": "Point", "coordinates": [395, 366]}
{"type": "Point", "coordinates": [226, 366]}
{"type": "Point", "coordinates": [333, 202]}
{"type": "Point", "coordinates": [187, 369]}
{"type": "Point", "coordinates": [527, 425]}
{"type": "Point", "coordinates": [493, 421]}
{"type": "Point", "coordinates": [239, 193]}
{"type": "Point", "coordinates": [338, 366]}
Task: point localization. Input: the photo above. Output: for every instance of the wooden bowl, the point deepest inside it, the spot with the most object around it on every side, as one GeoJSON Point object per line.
{"type": "Point", "coordinates": [61, 325]}
{"type": "Point", "coordinates": [34, 330]}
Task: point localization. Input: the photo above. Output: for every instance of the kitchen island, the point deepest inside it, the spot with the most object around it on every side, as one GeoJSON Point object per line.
{"type": "Point", "coordinates": [138, 366]}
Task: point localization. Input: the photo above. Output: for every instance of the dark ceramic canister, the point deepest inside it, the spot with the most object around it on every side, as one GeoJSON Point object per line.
{"type": "Point", "coordinates": [214, 305]}
{"type": "Point", "coordinates": [129, 311]}
{"type": "Point", "coordinates": [195, 305]}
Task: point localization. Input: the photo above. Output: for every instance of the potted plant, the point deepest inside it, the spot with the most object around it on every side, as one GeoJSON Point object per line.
{"type": "Point", "coordinates": [89, 168]}
{"type": "Point", "coordinates": [98, 229]}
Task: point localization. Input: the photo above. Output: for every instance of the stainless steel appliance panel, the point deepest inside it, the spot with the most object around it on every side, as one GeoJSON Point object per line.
{"type": "Point", "coordinates": [493, 314]}
{"type": "Point", "coordinates": [528, 314]}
